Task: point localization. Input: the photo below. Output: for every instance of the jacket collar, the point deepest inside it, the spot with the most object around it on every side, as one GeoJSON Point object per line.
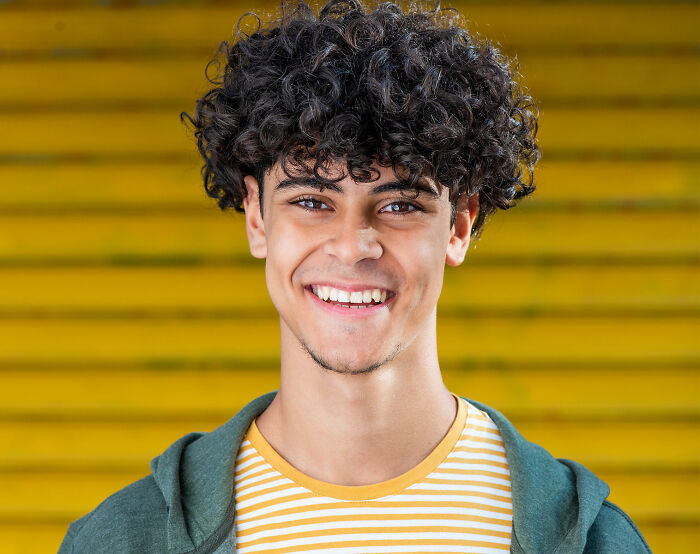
{"type": "Point", "coordinates": [554, 501]}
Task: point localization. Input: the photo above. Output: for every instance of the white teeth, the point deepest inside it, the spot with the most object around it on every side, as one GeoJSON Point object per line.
{"type": "Point", "coordinates": [367, 296]}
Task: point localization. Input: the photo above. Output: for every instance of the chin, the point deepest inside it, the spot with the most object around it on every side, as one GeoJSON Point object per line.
{"type": "Point", "coordinates": [347, 364]}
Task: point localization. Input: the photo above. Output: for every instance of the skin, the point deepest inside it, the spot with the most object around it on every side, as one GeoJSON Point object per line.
{"type": "Point", "coordinates": [361, 397]}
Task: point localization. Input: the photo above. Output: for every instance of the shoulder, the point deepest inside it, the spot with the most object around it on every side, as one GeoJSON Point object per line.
{"type": "Point", "coordinates": [613, 531]}
{"type": "Point", "coordinates": [130, 520]}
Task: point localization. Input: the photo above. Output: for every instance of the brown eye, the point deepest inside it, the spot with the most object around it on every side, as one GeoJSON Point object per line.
{"type": "Point", "coordinates": [310, 204]}
{"type": "Point", "coordinates": [399, 208]}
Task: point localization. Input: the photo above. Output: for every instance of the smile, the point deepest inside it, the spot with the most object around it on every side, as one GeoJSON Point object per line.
{"type": "Point", "coordinates": [355, 299]}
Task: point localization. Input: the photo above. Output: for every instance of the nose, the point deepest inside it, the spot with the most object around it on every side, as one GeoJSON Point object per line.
{"type": "Point", "coordinates": [353, 239]}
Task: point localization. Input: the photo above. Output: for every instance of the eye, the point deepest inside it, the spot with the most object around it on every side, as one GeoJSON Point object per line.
{"type": "Point", "coordinates": [309, 203]}
{"type": "Point", "coordinates": [400, 207]}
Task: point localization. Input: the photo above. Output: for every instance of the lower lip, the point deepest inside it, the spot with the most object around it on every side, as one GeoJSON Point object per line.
{"type": "Point", "coordinates": [350, 312]}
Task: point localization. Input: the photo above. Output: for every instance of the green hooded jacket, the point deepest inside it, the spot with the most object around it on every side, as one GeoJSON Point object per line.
{"type": "Point", "coordinates": [187, 503]}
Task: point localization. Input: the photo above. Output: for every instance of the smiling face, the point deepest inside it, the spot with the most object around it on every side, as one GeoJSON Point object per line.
{"type": "Point", "coordinates": [355, 270]}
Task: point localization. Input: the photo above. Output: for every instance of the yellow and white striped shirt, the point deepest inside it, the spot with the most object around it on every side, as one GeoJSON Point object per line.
{"type": "Point", "coordinates": [458, 499]}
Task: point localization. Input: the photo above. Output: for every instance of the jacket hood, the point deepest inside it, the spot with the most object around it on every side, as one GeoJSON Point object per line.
{"type": "Point", "coordinates": [555, 501]}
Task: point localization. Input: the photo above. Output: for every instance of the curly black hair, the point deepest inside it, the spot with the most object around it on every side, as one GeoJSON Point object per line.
{"type": "Point", "coordinates": [410, 90]}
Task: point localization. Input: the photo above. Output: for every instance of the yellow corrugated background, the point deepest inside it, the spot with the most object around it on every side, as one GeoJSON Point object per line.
{"type": "Point", "coordinates": [131, 312]}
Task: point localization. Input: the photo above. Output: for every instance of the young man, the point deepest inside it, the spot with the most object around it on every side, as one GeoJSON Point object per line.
{"type": "Point", "coordinates": [366, 148]}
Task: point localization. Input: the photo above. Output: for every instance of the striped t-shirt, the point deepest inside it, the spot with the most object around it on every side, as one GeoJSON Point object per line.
{"type": "Point", "coordinates": [457, 499]}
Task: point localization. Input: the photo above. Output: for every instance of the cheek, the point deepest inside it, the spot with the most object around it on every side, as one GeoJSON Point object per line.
{"type": "Point", "coordinates": [287, 246]}
{"type": "Point", "coordinates": [278, 259]}
{"type": "Point", "coordinates": [431, 248]}
{"type": "Point", "coordinates": [423, 258]}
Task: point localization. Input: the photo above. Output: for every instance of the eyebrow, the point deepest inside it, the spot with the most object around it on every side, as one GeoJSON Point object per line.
{"type": "Point", "coordinates": [312, 182]}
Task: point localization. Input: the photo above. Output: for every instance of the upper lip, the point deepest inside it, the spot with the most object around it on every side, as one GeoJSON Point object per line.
{"type": "Point", "coordinates": [352, 287]}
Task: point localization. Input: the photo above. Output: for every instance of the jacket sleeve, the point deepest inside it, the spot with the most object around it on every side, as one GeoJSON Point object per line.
{"type": "Point", "coordinates": [613, 532]}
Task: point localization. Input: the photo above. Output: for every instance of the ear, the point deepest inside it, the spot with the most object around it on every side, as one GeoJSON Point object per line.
{"type": "Point", "coordinates": [254, 225]}
{"type": "Point", "coordinates": [467, 208]}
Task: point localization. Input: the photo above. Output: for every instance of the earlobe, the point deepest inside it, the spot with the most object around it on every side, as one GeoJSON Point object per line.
{"type": "Point", "coordinates": [255, 228]}
{"type": "Point", "coordinates": [467, 209]}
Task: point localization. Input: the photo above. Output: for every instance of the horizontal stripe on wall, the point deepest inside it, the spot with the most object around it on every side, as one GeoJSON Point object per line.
{"type": "Point", "coordinates": [522, 24]}
{"type": "Point", "coordinates": [514, 235]}
{"type": "Point", "coordinates": [574, 79]}
{"type": "Point", "coordinates": [474, 340]}
{"type": "Point", "coordinates": [157, 132]}
{"type": "Point", "coordinates": [151, 186]}
{"type": "Point", "coordinates": [563, 393]}
{"type": "Point", "coordinates": [172, 292]}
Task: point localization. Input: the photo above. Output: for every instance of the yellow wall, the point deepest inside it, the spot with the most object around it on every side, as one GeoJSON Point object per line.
{"type": "Point", "coordinates": [131, 312]}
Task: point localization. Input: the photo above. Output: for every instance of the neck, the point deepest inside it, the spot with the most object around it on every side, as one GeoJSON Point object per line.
{"type": "Point", "coordinates": [359, 429]}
